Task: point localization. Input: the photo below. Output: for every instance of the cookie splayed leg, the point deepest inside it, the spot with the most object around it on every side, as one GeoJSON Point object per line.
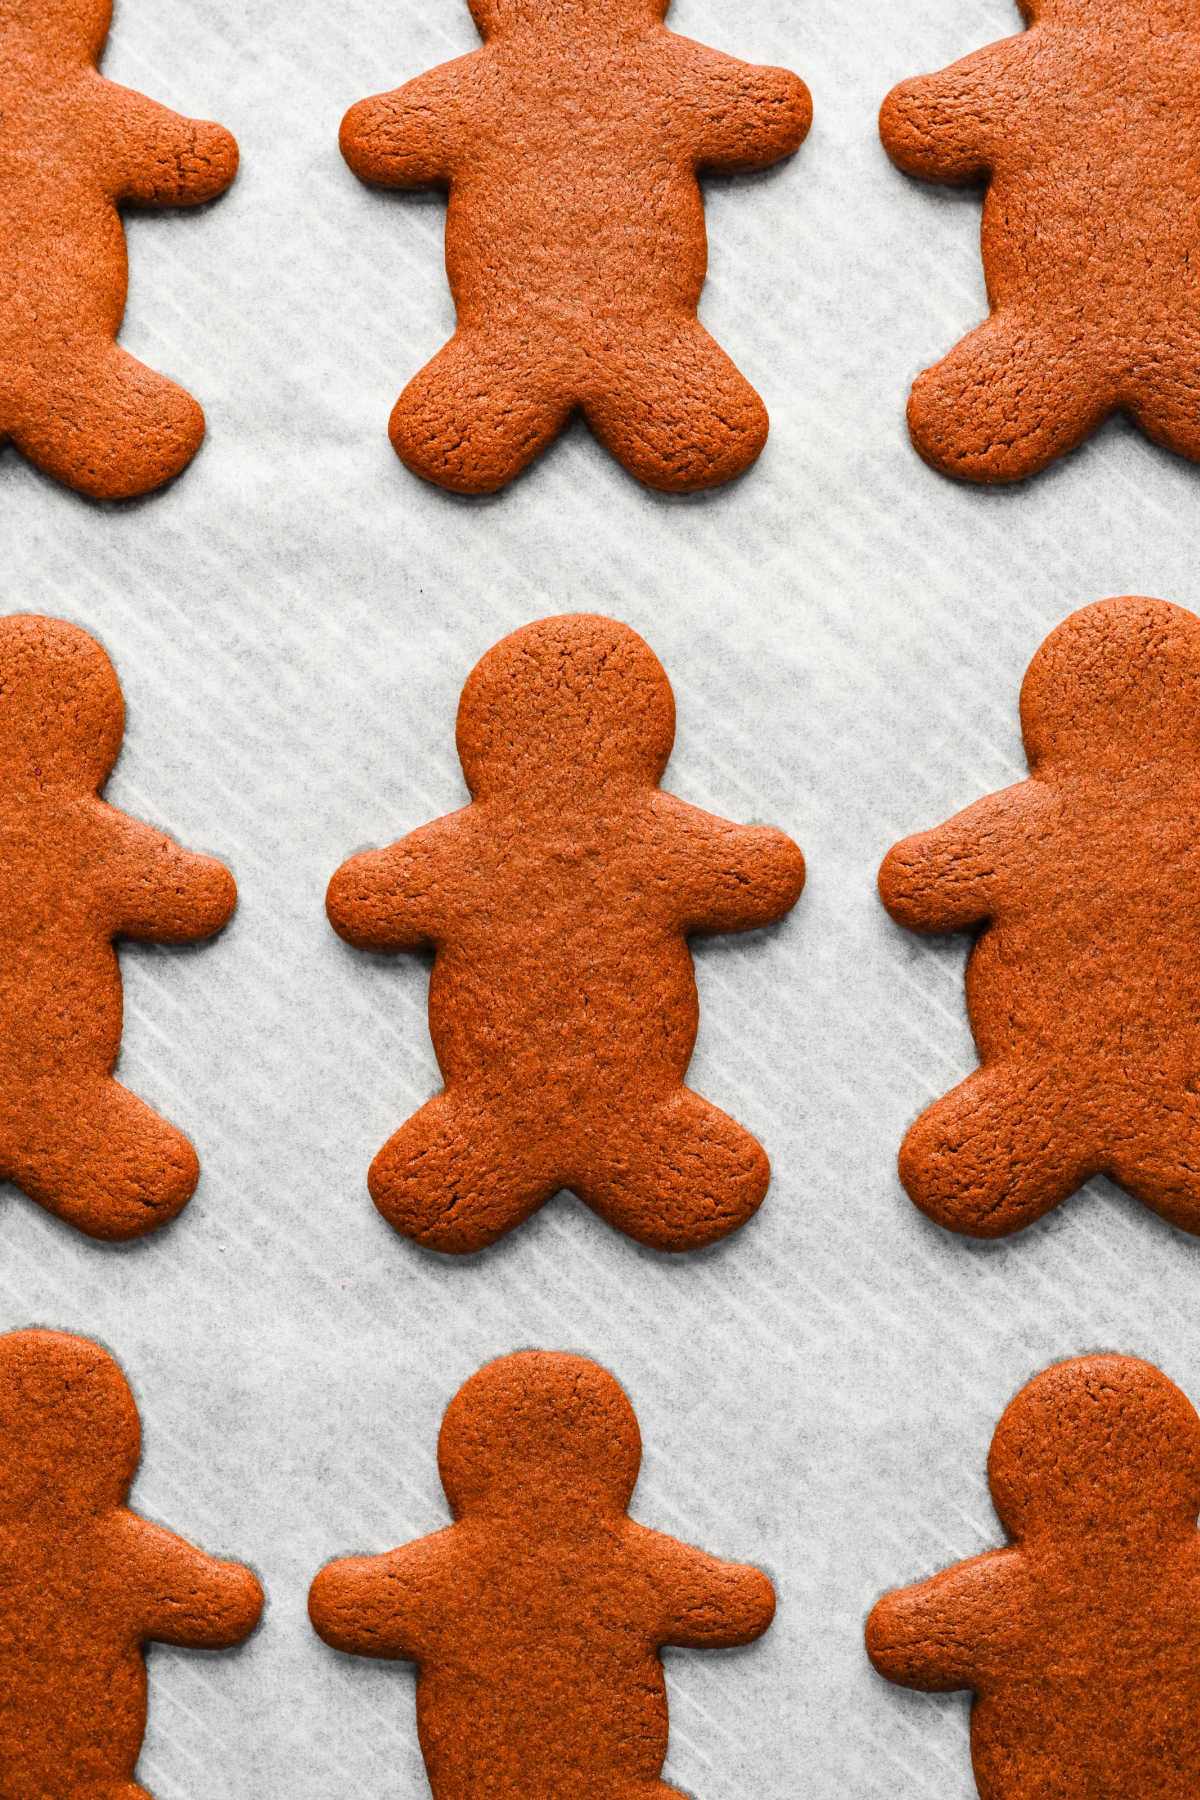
{"type": "Point", "coordinates": [476, 415]}
{"type": "Point", "coordinates": [1006, 402]}
{"type": "Point", "coordinates": [677, 1176]}
{"type": "Point", "coordinates": [996, 1153]}
{"type": "Point", "coordinates": [1159, 1163]}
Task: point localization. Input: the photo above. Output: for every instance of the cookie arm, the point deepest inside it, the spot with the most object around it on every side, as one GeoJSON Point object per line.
{"type": "Point", "coordinates": [394, 899]}
{"type": "Point", "coordinates": [162, 892]}
{"type": "Point", "coordinates": [934, 1636]}
{"type": "Point", "coordinates": [727, 877]}
{"type": "Point", "coordinates": [163, 159]}
{"type": "Point", "coordinates": [380, 1605]}
{"type": "Point", "coordinates": [185, 1597]}
{"type": "Point", "coordinates": [948, 879]}
{"type": "Point", "coordinates": [750, 115]}
{"type": "Point", "coordinates": [944, 127]}
{"type": "Point", "coordinates": [702, 1603]}
{"type": "Point", "coordinates": [410, 137]}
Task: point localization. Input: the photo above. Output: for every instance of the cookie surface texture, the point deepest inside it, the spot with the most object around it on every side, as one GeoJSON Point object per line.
{"type": "Point", "coordinates": [75, 874]}
{"type": "Point", "coordinates": [536, 1619]}
{"type": "Point", "coordinates": [562, 1003]}
{"type": "Point", "coordinates": [75, 147]}
{"type": "Point", "coordinates": [87, 1583]}
{"type": "Point", "coordinates": [1082, 988]}
{"type": "Point", "coordinates": [1086, 128]}
{"type": "Point", "coordinates": [571, 145]}
{"type": "Point", "coordinates": [1079, 1639]}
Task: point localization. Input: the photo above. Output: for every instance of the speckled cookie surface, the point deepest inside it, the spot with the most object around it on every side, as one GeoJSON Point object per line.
{"type": "Point", "coordinates": [1079, 1640]}
{"type": "Point", "coordinates": [562, 1003]}
{"type": "Point", "coordinates": [536, 1619]}
{"type": "Point", "coordinates": [72, 148]}
{"type": "Point", "coordinates": [575, 242]}
{"type": "Point", "coordinates": [1086, 128]}
{"type": "Point", "coordinates": [75, 874]}
{"type": "Point", "coordinates": [85, 1583]}
{"type": "Point", "coordinates": [1083, 987]}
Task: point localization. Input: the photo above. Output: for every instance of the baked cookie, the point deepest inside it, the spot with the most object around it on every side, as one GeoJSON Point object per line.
{"type": "Point", "coordinates": [571, 144]}
{"type": "Point", "coordinates": [74, 147]}
{"type": "Point", "coordinates": [537, 1618]}
{"type": "Point", "coordinates": [75, 874]}
{"type": "Point", "coordinates": [84, 1583]}
{"type": "Point", "coordinates": [1086, 129]}
{"type": "Point", "coordinates": [1083, 987]}
{"type": "Point", "coordinates": [1079, 1640]}
{"type": "Point", "coordinates": [562, 1003]}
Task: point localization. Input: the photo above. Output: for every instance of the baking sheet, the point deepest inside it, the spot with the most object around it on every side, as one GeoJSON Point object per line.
{"type": "Point", "coordinates": [846, 634]}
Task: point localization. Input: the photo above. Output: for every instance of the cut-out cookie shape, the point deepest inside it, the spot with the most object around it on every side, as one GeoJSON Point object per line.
{"type": "Point", "coordinates": [85, 1584]}
{"type": "Point", "coordinates": [562, 1003]}
{"type": "Point", "coordinates": [571, 144]}
{"type": "Point", "coordinates": [537, 1618]}
{"type": "Point", "coordinates": [75, 874]}
{"type": "Point", "coordinates": [74, 147]}
{"type": "Point", "coordinates": [1083, 987]}
{"type": "Point", "coordinates": [1085, 128]}
{"type": "Point", "coordinates": [1079, 1640]}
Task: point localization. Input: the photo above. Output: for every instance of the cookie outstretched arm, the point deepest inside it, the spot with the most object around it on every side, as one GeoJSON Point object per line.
{"type": "Point", "coordinates": [162, 892]}
{"type": "Point", "coordinates": [705, 1604]}
{"type": "Point", "coordinates": [946, 127]}
{"type": "Point", "coordinates": [163, 159]}
{"type": "Point", "coordinates": [398, 898]}
{"type": "Point", "coordinates": [935, 1636]}
{"type": "Point", "coordinates": [382, 1605]}
{"type": "Point", "coordinates": [949, 879]}
{"type": "Point", "coordinates": [412, 136]}
{"type": "Point", "coordinates": [185, 1597]}
{"type": "Point", "coordinates": [749, 115]}
{"type": "Point", "coordinates": [727, 877]}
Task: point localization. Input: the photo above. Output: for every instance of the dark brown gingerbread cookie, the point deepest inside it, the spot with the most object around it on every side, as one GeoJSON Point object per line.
{"type": "Point", "coordinates": [74, 147]}
{"type": "Point", "coordinates": [1086, 128]}
{"type": "Point", "coordinates": [1083, 987]}
{"type": "Point", "coordinates": [85, 1583]}
{"type": "Point", "coordinates": [575, 245]}
{"type": "Point", "coordinates": [537, 1618]}
{"type": "Point", "coordinates": [562, 1004]}
{"type": "Point", "coordinates": [1079, 1640]}
{"type": "Point", "coordinates": [75, 874]}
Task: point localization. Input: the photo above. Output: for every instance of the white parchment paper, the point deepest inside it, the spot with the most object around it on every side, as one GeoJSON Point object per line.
{"type": "Point", "coordinates": [846, 633]}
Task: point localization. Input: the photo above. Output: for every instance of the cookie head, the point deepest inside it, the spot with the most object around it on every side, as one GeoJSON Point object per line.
{"type": "Point", "coordinates": [1117, 683]}
{"type": "Point", "coordinates": [61, 27]}
{"type": "Point", "coordinates": [536, 1431]}
{"type": "Point", "coordinates": [69, 1431]}
{"type": "Point", "coordinates": [571, 703]}
{"type": "Point", "coordinates": [61, 713]}
{"type": "Point", "coordinates": [1098, 1447]}
{"type": "Point", "coordinates": [496, 16]}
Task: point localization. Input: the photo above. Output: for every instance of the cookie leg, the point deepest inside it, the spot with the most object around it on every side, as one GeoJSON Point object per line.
{"type": "Point", "coordinates": [995, 1154]}
{"type": "Point", "coordinates": [476, 415]}
{"type": "Point", "coordinates": [1004, 404]}
{"type": "Point", "coordinates": [100, 1159]}
{"type": "Point", "coordinates": [456, 1178]}
{"type": "Point", "coordinates": [1167, 407]}
{"type": "Point", "coordinates": [677, 1176]}
{"type": "Point", "coordinates": [105, 424]}
{"type": "Point", "coordinates": [676, 413]}
{"type": "Point", "coordinates": [1158, 1162]}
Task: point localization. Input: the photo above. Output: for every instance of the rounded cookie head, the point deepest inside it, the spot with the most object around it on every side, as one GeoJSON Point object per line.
{"type": "Point", "coordinates": [567, 702]}
{"type": "Point", "coordinates": [1117, 682]}
{"type": "Point", "coordinates": [495, 16]}
{"type": "Point", "coordinates": [65, 28]}
{"type": "Point", "coordinates": [61, 712]}
{"type": "Point", "coordinates": [539, 1429]}
{"type": "Point", "coordinates": [69, 1431]}
{"type": "Point", "coordinates": [1099, 1445]}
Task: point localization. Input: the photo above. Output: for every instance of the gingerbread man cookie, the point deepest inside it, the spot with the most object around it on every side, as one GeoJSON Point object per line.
{"type": "Point", "coordinates": [537, 1618]}
{"type": "Point", "coordinates": [84, 1582]}
{"type": "Point", "coordinates": [1086, 129]}
{"type": "Point", "coordinates": [1083, 987]}
{"type": "Point", "coordinates": [571, 144]}
{"type": "Point", "coordinates": [1079, 1640]}
{"type": "Point", "coordinates": [562, 1003]}
{"type": "Point", "coordinates": [73, 148]}
{"type": "Point", "coordinates": [75, 874]}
